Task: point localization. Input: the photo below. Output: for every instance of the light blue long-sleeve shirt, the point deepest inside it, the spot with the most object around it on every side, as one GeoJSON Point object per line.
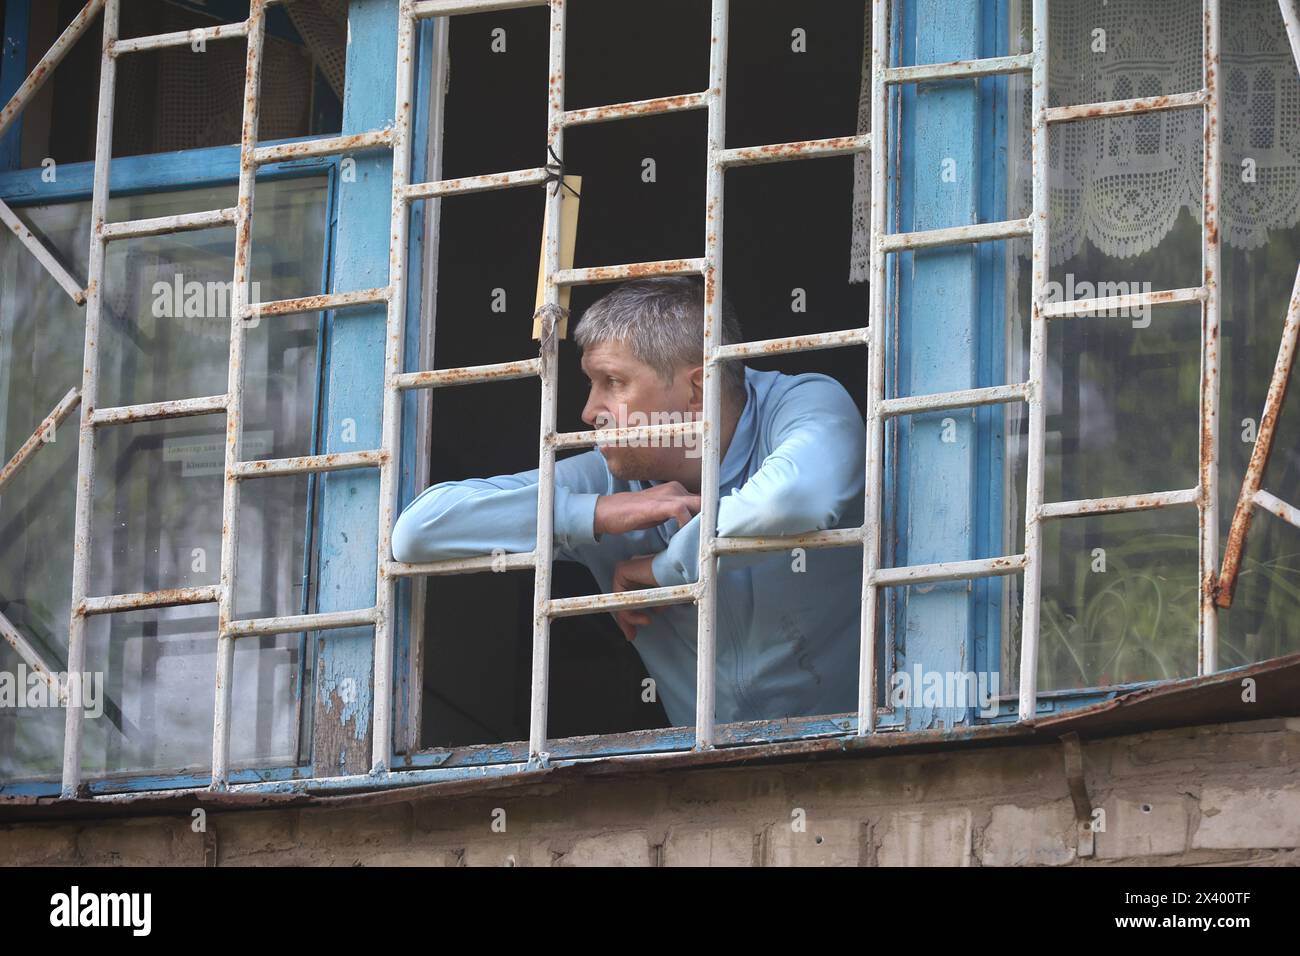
{"type": "Point", "coordinates": [788, 625]}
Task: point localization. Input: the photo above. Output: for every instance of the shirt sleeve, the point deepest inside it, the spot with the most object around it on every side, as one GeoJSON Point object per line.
{"type": "Point", "coordinates": [481, 516]}
{"type": "Point", "coordinates": [813, 475]}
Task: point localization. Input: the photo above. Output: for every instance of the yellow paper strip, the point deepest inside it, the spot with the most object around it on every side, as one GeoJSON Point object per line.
{"type": "Point", "coordinates": [568, 239]}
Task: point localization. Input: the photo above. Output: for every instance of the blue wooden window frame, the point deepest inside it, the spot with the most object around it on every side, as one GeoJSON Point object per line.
{"type": "Point", "coordinates": [217, 166]}
{"type": "Point", "coordinates": [966, 122]}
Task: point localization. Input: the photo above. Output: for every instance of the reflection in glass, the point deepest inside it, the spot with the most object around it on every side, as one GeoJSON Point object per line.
{"type": "Point", "coordinates": [156, 508]}
{"type": "Point", "coordinates": [1119, 594]}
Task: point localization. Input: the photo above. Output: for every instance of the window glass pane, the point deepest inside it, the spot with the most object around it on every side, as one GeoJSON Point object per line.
{"type": "Point", "coordinates": [187, 97]}
{"type": "Point", "coordinates": [1119, 594]}
{"type": "Point", "coordinates": [156, 515]}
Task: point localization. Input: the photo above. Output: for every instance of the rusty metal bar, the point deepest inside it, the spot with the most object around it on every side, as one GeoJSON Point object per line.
{"type": "Point", "coordinates": [943, 401]}
{"type": "Point", "coordinates": [489, 562]}
{"type": "Point", "coordinates": [635, 270]}
{"type": "Point", "coordinates": [1211, 255]}
{"type": "Point", "coordinates": [1260, 454]}
{"type": "Point", "coordinates": [316, 303]}
{"type": "Point", "coordinates": [308, 464]}
{"type": "Point", "coordinates": [1036, 444]}
{"type": "Point", "coordinates": [155, 411]}
{"type": "Point", "coordinates": [50, 422]}
{"type": "Point", "coordinates": [326, 146]}
{"type": "Point", "coordinates": [1089, 307]}
{"type": "Point", "coordinates": [23, 648]}
{"type": "Point", "coordinates": [468, 375]}
{"type": "Point", "coordinates": [473, 184]}
{"type": "Point", "coordinates": [391, 424]}
{"type": "Point", "coordinates": [622, 600]}
{"type": "Point", "coordinates": [221, 717]}
{"type": "Point", "coordinates": [298, 623]}
{"type": "Point", "coordinates": [12, 109]}
{"type": "Point", "coordinates": [949, 571]}
{"type": "Point", "coordinates": [791, 344]}
{"type": "Point", "coordinates": [955, 235]}
{"type": "Point", "coordinates": [711, 448]}
{"type": "Point", "coordinates": [73, 713]}
{"type": "Point", "coordinates": [636, 109]}
{"type": "Point", "coordinates": [804, 149]}
{"type": "Point", "coordinates": [1119, 504]}
{"type": "Point", "coordinates": [52, 58]}
{"type": "Point", "coordinates": [880, 408]}
{"type": "Point", "coordinates": [143, 600]}
{"type": "Point", "coordinates": [539, 690]}
{"type": "Point", "coordinates": [1269, 502]}
{"type": "Point", "coordinates": [631, 435]}
{"type": "Point", "coordinates": [166, 225]}
{"type": "Point", "coordinates": [43, 255]}
{"type": "Point", "coordinates": [959, 70]}
{"type": "Point", "coordinates": [164, 41]}
{"type": "Point", "coordinates": [450, 8]}
{"type": "Point", "coordinates": [1141, 104]}
{"type": "Point", "coordinates": [874, 465]}
{"type": "Point", "coordinates": [834, 538]}
{"type": "Point", "coordinates": [1291, 20]}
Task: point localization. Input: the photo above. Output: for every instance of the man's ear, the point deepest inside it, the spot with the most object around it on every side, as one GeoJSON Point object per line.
{"type": "Point", "coordinates": [696, 378]}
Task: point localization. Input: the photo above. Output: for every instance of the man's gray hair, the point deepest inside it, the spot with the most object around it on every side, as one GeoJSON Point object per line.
{"type": "Point", "coordinates": [662, 321]}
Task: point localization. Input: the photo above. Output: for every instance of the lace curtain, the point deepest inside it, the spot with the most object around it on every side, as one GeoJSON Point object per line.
{"type": "Point", "coordinates": [1121, 183]}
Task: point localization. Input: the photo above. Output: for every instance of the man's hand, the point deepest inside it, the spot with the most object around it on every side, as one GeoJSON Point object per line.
{"type": "Point", "coordinates": [632, 575]}
{"type": "Point", "coordinates": [638, 510]}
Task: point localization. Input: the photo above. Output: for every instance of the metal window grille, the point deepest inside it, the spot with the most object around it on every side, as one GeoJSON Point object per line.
{"type": "Point", "coordinates": [1253, 494]}
{"type": "Point", "coordinates": [1037, 226]}
{"type": "Point", "coordinates": [719, 158]}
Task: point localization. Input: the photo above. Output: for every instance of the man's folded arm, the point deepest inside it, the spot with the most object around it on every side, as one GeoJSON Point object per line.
{"type": "Point", "coordinates": [480, 516]}
{"type": "Point", "coordinates": [812, 476]}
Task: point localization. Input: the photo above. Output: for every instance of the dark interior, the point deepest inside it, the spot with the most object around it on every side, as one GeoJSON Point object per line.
{"type": "Point", "coordinates": [181, 99]}
{"type": "Point", "coordinates": [787, 226]}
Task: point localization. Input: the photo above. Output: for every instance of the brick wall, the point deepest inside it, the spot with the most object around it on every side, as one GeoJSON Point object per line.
{"type": "Point", "coordinates": [1214, 793]}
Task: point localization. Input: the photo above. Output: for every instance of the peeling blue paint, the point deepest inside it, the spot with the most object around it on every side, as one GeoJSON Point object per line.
{"type": "Point", "coordinates": [355, 369]}
{"type": "Point", "coordinates": [939, 325]}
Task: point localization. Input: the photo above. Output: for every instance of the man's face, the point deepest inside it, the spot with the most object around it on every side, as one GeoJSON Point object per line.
{"type": "Point", "coordinates": [625, 392]}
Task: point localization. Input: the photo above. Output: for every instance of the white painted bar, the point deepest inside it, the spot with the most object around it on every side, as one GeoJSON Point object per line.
{"type": "Point", "coordinates": [1031, 610]}
{"type": "Point", "coordinates": [959, 69]}
{"type": "Point", "coordinates": [791, 344]}
{"type": "Point", "coordinates": [1119, 504]}
{"type": "Point", "coordinates": [225, 668]}
{"type": "Point", "coordinates": [468, 375]}
{"type": "Point", "coordinates": [194, 39]}
{"type": "Point", "coordinates": [295, 623]}
{"type": "Point", "coordinates": [473, 184]}
{"type": "Point", "coordinates": [37, 438]}
{"type": "Point", "coordinates": [802, 149]}
{"type": "Point", "coordinates": [325, 146]}
{"type": "Point", "coordinates": [635, 270]}
{"type": "Point", "coordinates": [166, 225]}
{"type": "Point", "coordinates": [638, 108]}
{"type": "Point", "coordinates": [955, 235]}
{"type": "Point", "coordinates": [156, 411]}
{"type": "Point", "coordinates": [944, 401]}
{"type": "Point", "coordinates": [1270, 502]}
{"type": "Point", "coordinates": [73, 713]}
{"type": "Point", "coordinates": [1131, 107]}
{"type": "Point", "coordinates": [949, 571]}
{"type": "Point", "coordinates": [43, 255]}
{"type": "Point", "coordinates": [307, 464]}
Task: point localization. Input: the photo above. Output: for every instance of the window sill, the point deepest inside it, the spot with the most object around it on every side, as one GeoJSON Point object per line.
{"type": "Point", "coordinates": [1215, 698]}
